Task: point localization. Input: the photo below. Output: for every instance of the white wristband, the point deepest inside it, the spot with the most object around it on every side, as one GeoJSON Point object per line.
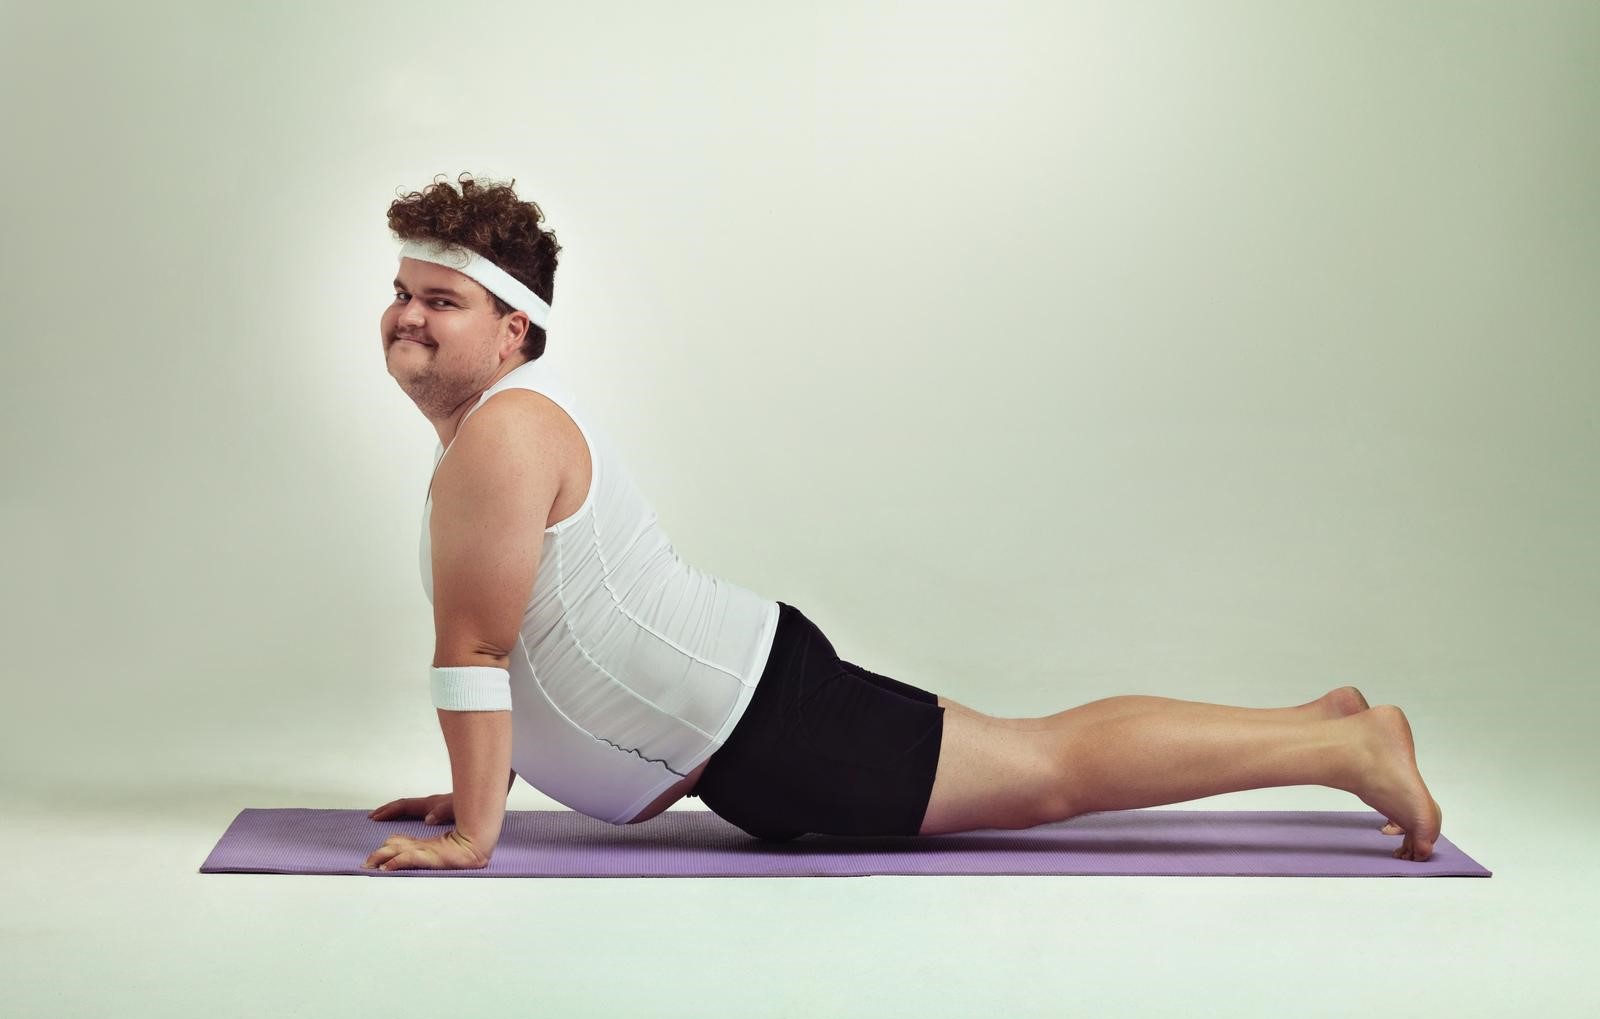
{"type": "Point", "coordinates": [471, 688]}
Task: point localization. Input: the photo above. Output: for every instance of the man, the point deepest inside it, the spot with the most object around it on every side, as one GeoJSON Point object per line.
{"type": "Point", "coordinates": [572, 642]}
{"type": "Point", "coordinates": [453, 339]}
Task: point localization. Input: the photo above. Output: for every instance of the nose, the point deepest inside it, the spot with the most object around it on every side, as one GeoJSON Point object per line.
{"type": "Point", "coordinates": [411, 313]}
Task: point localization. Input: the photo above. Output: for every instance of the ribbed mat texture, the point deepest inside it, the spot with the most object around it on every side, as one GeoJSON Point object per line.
{"type": "Point", "coordinates": [697, 843]}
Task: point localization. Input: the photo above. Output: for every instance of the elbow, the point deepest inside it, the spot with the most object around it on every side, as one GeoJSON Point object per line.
{"type": "Point", "coordinates": [469, 653]}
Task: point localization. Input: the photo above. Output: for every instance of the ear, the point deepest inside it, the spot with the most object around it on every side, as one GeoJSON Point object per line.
{"type": "Point", "coordinates": [514, 327]}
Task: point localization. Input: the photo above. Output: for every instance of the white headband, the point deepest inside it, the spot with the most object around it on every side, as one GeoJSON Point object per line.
{"type": "Point", "coordinates": [475, 267]}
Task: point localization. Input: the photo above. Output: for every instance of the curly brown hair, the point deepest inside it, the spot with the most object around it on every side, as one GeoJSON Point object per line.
{"type": "Point", "coordinates": [487, 218]}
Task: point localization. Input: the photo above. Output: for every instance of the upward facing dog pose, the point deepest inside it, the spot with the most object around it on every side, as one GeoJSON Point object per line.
{"type": "Point", "coordinates": [574, 647]}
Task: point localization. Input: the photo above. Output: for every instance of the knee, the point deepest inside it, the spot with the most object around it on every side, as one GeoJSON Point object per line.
{"type": "Point", "coordinates": [1041, 808]}
{"type": "Point", "coordinates": [1041, 794]}
{"type": "Point", "coordinates": [1054, 805]}
{"type": "Point", "coordinates": [1056, 800]}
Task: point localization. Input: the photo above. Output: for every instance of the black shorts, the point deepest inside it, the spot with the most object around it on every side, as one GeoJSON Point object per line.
{"type": "Point", "coordinates": [825, 746]}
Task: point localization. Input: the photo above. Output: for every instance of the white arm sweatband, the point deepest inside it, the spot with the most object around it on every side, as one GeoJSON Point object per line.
{"type": "Point", "coordinates": [471, 688]}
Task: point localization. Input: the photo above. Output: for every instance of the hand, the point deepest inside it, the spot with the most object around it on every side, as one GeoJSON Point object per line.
{"type": "Point", "coordinates": [450, 851]}
{"type": "Point", "coordinates": [437, 809]}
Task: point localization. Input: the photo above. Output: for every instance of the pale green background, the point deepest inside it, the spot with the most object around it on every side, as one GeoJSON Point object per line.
{"type": "Point", "coordinates": [1039, 352]}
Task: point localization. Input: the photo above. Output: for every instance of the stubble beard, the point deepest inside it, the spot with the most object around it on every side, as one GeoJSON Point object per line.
{"type": "Point", "coordinates": [437, 394]}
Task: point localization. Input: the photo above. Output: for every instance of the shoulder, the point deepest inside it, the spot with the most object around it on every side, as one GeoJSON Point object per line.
{"type": "Point", "coordinates": [515, 431]}
{"type": "Point", "coordinates": [529, 413]}
{"type": "Point", "coordinates": [513, 415]}
{"type": "Point", "coordinates": [517, 405]}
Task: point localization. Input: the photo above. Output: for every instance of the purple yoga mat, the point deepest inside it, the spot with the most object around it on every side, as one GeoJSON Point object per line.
{"type": "Point", "coordinates": [697, 843]}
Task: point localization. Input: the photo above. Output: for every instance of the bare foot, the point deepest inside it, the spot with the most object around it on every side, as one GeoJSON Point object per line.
{"type": "Point", "coordinates": [1390, 782]}
{"type": "Point", "coordinates": [1342, 703]}
{"type": "Point", "coordinates": [1346, 700]}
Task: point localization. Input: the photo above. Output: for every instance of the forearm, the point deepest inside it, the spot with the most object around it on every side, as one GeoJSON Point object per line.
{"type": "Point", "coordinates": [480, 752]}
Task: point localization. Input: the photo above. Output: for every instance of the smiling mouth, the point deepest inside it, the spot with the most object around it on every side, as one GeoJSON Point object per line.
{"type": "Point", "coordinates": [417, 342]}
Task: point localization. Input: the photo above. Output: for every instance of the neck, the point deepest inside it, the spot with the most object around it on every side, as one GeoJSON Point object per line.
{"type": "Point", "coordinates": [448, 426]}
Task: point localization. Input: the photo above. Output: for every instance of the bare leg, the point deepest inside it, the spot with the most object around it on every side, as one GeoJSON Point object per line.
{"type": "Point", "coordinates": [1345, 700]}
{"type": "Point", "coordinates": [992, 776]}
{"type": "Point", "coordinates": [1337, 703]}
{"type": "Point", "coordinates": [1155, 758]}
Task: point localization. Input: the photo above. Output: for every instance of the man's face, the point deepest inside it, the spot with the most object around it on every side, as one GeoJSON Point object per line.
{"type": "Point", "coordinates": [441, 337]}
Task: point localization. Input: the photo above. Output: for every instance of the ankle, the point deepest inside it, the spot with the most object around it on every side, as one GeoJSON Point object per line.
{"type": "Point", "coordinates": [1355, 756]}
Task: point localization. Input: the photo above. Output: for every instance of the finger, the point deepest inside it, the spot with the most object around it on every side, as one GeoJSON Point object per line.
{"type": "Point", "coordinates": [416, 857]}
{"type": "Point", "coordinates": [392, 846]}
{"type": "Point", "coordinates": [387, 811]}
{"type": "Point", "coordinates": [408, 806]}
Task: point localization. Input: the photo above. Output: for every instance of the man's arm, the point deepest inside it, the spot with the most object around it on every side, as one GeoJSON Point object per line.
{"type": "Point", "coordinates": [480, 749]}
{"type": "Point", "coordinates": [491, 497]}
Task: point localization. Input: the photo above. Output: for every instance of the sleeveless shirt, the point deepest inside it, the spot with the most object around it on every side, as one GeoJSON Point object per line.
{"type": "Point", "coordinates": [631, 667]}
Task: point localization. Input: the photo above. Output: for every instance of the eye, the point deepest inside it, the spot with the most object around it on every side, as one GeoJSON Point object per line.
{"type": "Point", "coordinates": [401, 295]}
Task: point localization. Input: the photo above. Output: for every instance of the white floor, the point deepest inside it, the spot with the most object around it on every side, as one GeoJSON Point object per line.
{"type": "Point", "coordinates": [106, 914]}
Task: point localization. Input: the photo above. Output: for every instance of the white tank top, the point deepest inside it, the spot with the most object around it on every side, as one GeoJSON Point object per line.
{"type": "Point", "coordinates": [631, 667]}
